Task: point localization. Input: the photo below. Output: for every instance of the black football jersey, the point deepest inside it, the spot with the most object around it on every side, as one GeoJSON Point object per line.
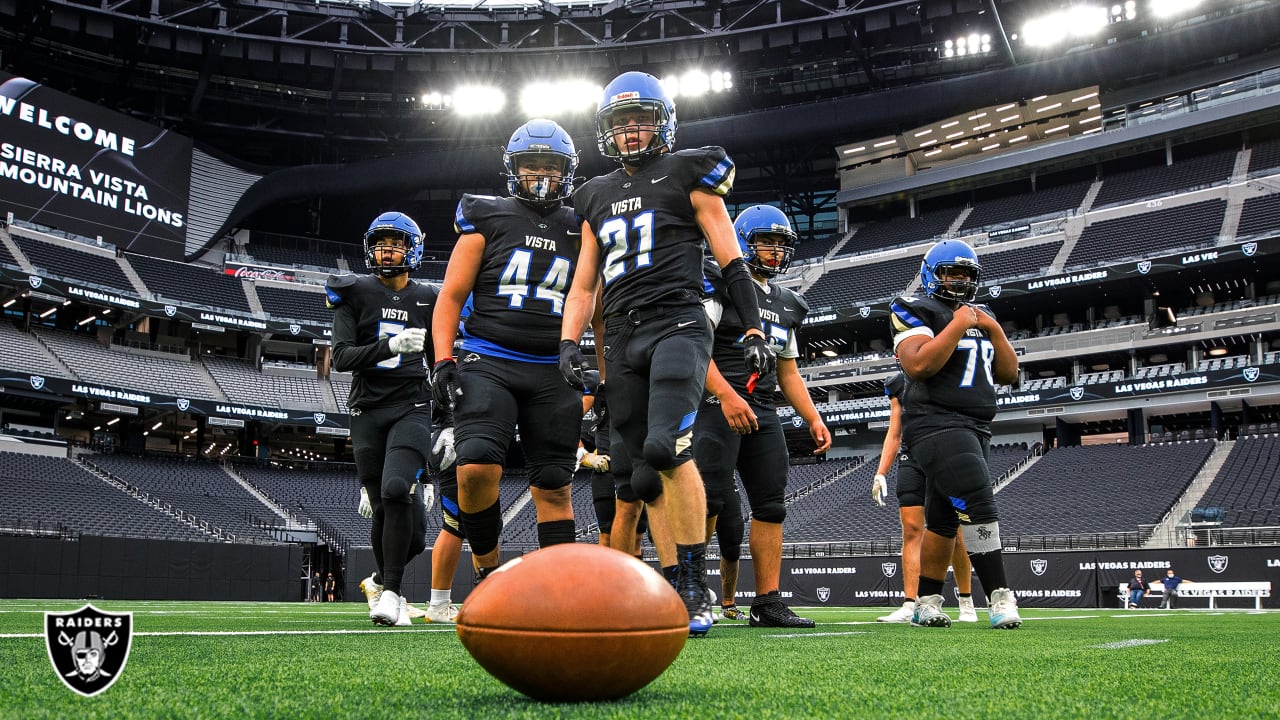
{"type": "Point", "coordinates": [962, 393]}
{"type": "Point", "coordinates": [650, 246]}
{"type": "Point", "coordinates": [782, 312]}
{"type": "Point", "coordinates": [366, 314]}
{"type": "Point", "coordinates": [896, 387]}
{"type": "Point", "coordinates": [525, 272]}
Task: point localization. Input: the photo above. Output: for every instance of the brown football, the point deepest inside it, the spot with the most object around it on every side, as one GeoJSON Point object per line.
{"type": "Point", "coordinates": [574, 622]}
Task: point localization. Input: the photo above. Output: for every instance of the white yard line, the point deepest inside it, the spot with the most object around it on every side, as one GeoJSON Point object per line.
{"type": "Point", "coordinates": [1136, 642]}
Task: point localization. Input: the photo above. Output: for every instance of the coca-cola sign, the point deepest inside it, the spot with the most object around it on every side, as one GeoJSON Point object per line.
{"type": "Point", "coordinates": [249, 272]}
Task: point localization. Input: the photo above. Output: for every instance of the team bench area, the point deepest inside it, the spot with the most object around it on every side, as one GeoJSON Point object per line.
{"type": "Point", "coordinates": [1211, 590]}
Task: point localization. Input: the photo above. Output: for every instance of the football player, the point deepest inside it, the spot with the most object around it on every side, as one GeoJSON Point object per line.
{"type": "Point", "coordinates": [910, 493]}
{"type": "Point", "coordinates": [381, 322]}
{"type": "Point", "coordinates": [643, 227]}
{"type": "Point", "coordinates": [738, 426]}
{"type": "Point", "coordinates": [515, 257]}
{"type": "Point", "coordinates": [955, 353]}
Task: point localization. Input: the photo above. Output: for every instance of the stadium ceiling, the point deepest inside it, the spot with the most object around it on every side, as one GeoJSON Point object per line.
{"type": "Point", "coordinates": [288, 82]}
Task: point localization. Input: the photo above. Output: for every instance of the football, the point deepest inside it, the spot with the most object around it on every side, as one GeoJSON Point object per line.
{"type": "Point", "coordinates": [574, 622]}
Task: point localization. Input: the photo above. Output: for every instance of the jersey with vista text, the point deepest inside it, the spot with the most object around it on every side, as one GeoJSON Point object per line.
{"type": "Point", "coordinates": [524, 274]}
{"type": "Point", "coordinates": [650, 246]}
{"type": "Point", "coordinates": [366, 314]}
{"type": "Point", "coordinates": [962, 393]}
{"type": "Point", "coordinates": [782, 312]}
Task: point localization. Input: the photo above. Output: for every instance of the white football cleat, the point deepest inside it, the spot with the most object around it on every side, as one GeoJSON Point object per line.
{"type": "Point", "coordinates": [1004, 610]}
{"type": "Point", "coordinates": [446, 613]}
{"type": "Point", "coordinates": [967, 613]}
{"type": "Point", "coordinates": [901, 615]}
{"type": "Point", "coordinates": [929, 613]}
{"type": "Point", "coordinates": [371, 591]}
{"type": "Point", "coordinates": [414, 612]}
{"type": "Point", "coordinates": [388, 610]}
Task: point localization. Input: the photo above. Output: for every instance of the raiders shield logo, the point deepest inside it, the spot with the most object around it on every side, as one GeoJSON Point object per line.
{"type": "Point", "coordinates": [797, 421]}
{"type": "Point", "coordinates": [37, 382]}
{"type": "Point", "coordinates": [294, 328]}
{"type": "Point", "coordinates": [1217, 563]}
{"type": "Point", "coordinates": [184, 404]}
{"type": "Point", "coordinates": [889, 569]}
{"type": "Point", "coordinates": [1038, 566]}
{"type": "Point", "coordinates": [1144, 267]}
{"type": "Point", "coordinates": [1249, 248]}
{"type": "Point", "coordinates": [170, 310]}
{"type": "Point", "coordinates": [995, 291]}
{"type": "Point", "coordinates": [1077, 393]}
{"type": "Point", "coordinates": [864, 311]}
{"type": "Point", "coordinates": [35, 281]}
{"type": "Point", "coordinates": [824, 594]}
{"type": "Point", "coordinates": [88, 647]}
{"type": "Point", "coordinates": [318, 417]}
{"type": "Point", "coordinates": [1251, 374]}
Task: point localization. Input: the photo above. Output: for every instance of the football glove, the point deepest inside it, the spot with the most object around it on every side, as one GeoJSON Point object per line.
{"type": "Point", "coordinates": [582, 454]}
{"type": "Point", "coordinates": [759, 356]}
{"type": "Point", "coordinates": [596, 461]}
{"type": "Point", "coordinates": [878, 489]}
{"type": "Point", "coordinates": [445, 388]}
{"type": "Point", "coordinates": [573, 366]}
{"type": "Point", "coordinates": [365, 509]}
{"type": "Point", "coordinates": [409, 341]}
{"type": "Point", "coordinates": [443, 449]}
{"type": "Point", "coordinates": [428, 496]}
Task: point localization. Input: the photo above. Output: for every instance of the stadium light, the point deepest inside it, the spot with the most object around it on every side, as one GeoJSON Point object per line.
{"type": "Point", "coordinates": [473, 100]}
{"type": "Point", "coordinates": [694, 83]}
{"type": "Point", "coordinates": [113, 421]}
{"type": "Point", "coordinates": [971, 44]}
{"type": "Point", "coordinates": [552, 99]}
{"type": "Point", "coordinates": [1081, 21]}
{"type": "Point", "coordinates": [1170, 8]}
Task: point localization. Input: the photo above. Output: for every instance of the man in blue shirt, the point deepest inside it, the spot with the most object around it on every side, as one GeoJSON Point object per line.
{"type": "Point", "coordinates": [1171, 582]}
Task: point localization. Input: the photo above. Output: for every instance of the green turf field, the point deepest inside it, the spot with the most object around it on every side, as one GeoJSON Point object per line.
{"type": "Point", "coordinates": [247, 660]}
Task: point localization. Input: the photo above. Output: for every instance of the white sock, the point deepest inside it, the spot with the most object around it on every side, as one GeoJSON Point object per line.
{"type": "Point", "coordinates": [441, 597]}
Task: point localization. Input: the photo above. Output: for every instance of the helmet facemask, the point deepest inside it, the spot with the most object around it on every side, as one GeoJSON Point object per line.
{"type": "Point", "coordinates": [384, 241]}
{"type": "Point", "coordinates": [539, 177]}
{"type": "Point", "coordinates": [769, 252]}
{"type": "Point", "coordinates": [957, 282]}
{"type": "Point", "coordinates": [620, 125]}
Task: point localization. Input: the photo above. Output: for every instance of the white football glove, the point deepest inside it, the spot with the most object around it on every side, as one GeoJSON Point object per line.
{"type": "Point", "coordinates": [878, 489]}
{"type": "Point", "coordinates": [428, 496]}
{"type": "Point", "coordinates": [596, 461]}
{"type": "Point", "coordinates": [582, 453]}
{"type": "Point", "coordinates": [409, 341]}
{"type": "Point", "coordinates": [365, 509]}
{"type": "Point", "coordinates": [443, 449]}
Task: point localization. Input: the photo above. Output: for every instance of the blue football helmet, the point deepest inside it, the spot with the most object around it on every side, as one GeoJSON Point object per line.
{"type": "Point", "coordinates": [765, 227]}
{"type": "Point", "coordinates": [629, 92]}
{"type": "Point", "coordinates": [393, 225]}
{"type": "Point", "coordinates": [951, 255]}
{"type": "Point", "coordinates": [540, 138]}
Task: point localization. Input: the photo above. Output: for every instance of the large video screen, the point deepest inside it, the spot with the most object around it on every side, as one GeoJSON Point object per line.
{"type": "Point", "coordinates": [72, 165]}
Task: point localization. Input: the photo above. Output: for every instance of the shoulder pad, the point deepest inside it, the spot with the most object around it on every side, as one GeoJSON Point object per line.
{"type": "Point", "coordinates": [710, 167]}
{"type": "Point", "coordinates": [338, 286]}
{"type": "Point", "coordinates": [804, 304]}
{"type": "Point", "coordinates": [470, 209]}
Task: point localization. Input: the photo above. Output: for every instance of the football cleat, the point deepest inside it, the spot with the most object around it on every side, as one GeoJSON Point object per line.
{"type": "Point", "coordinates": [929, 613]}
{"type": "Point", "coordinates": [1004, 610]}
{"type": "Point", "coordinates": [967, 613]}
{"type": "Point", "coordinates": [388, 609]}
{"type": "Point", "coordinates": [733, 612]}
{"type": "Point", "coordinates": [445, 613]}
{"type": "Point", "coordinates": [768, 610]}
{"type": "Point", "coordinates": [371, 591]}
{"type": "Point", "coordinates": [694, 594]}
{"type": "Point", "coordinates": [403, 620]}
{"type": "Point", "coordinates": [413, 611]}
{"type": "Point", "coordinates": [901, 615]}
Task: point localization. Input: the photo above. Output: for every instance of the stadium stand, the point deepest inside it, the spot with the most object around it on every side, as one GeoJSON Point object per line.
{"type": "Point", "coordinates": [1025, 206]}
{"type": "Point", "coordinates": [286, 257]}
{"type": "Point", "coordinates": [86, 267]}
{"type": "Point", "coordinates": [327, 496]}
{"type": "Point", "coordinates": [341, 390]}
{"type": "Point", "coordinates": [1259, 215]}
{"type": "Point", "coordinates": [900, 231]}
{"type": "Point", "coordinates": [22, 352]}
{"type": "Point", "coordinates": [1265, 156]}
{"type": "Point", "coordinates": [1184, 174]}
{"type": "Point", "coordinates": [293, 304]}
{"type": "Point", "coordinates": [1149, 233]}
{"type": "Point", "coordinates": [243, 384]}
{"type": "Point", "coordinates": [1099, 488]}
{"type": "Point", "coordinates": [1007, 264]}
{"type": "Point", "coordinates": [117, 367]}
{"type": "Point", "coordinates": [1247, 487]}
{"type": "Point", "coordinates": [58, 493]}
{"type": "Point", "coordinates": [863, 283]}
{"type": "Point", "coordinates": [190, 283]}
{"type": "Point", "coordinates": [6, 257]}
{"type": "Point", "coordinates": [814, 248]}
{"type": "Point", "coordinates": [200, 488]}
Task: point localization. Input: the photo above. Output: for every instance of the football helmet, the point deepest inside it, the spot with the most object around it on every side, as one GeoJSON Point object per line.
{"type": "Point", "coordinates": [950, 255]}
{"type": "Point", "coordinates": [540, 138]}
{"type": "Point", "coordinates": [762, 227]}
{"type": "Point", "coordinates": [629, 92]}
{"type": "Point", "coordinates": [393, 225]}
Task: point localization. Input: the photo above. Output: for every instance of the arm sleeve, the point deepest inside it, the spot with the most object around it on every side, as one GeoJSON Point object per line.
{"type": "Point", "coordinates": [742, 292]}
{"type": "Point", "coordinates": [347, 355]}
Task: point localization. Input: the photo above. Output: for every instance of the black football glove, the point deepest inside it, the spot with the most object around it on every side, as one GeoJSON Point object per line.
{"type": "Point", "coordinates": [759, 355]}
{"type": "Point", "coordinates": [445, 388]}
{"type": "Point", "coordinates": [573, 366]}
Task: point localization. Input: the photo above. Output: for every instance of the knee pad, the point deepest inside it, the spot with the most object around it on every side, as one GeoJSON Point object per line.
{"type": "Point", "coordinates": [983, 538]}
{"type": "Point", "coordinates": [605, 509]}
{"type": "Point", "coordinates": [398, 486]}
{"type": "Point", "coordinates": [483, 528]}
{"type": "Point", "coordinates": [480, 451]}
{"type": "Point", "coordinates": [715, 506]}
{"type": "Point", "coordinates": [646, 483]}
{"type": "Point", "coordinates": [770, 512]}
{"type": "Point", "coordinates": [550, 477]}
{"type": "Point", "coordinates": [661, 453]}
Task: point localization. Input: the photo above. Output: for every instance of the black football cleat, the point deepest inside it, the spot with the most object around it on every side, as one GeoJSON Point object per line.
{"type": "Point", "coordinates": [769, 611]}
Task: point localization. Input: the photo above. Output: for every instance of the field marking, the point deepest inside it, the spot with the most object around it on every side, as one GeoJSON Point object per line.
{"type": "Point", "coordinates": [225, 633]}
{"type": "Point", "coordinates": [818, 634]}
{"type": "Point", "coordinates": [1137, 642]}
